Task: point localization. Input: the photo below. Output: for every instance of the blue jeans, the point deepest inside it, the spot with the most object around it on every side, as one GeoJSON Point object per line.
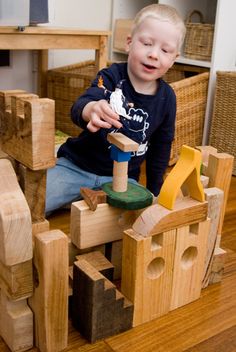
{"type": "Point", "coordinates": [64, 182]}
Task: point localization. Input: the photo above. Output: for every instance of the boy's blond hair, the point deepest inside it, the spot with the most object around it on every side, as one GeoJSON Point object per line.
{"type": "Point", "coordinates": [162, 13]}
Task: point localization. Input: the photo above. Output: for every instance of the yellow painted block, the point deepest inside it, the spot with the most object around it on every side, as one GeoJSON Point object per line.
{"type": "Point", "coordinates": [186, 171]}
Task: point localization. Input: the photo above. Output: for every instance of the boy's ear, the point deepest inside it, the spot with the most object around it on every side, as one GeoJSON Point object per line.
{"type": "Point", "coordinates": [128, 42]}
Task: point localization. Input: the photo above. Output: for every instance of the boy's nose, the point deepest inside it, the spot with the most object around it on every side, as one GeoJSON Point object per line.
{"type": "Point", "coordinates": [153, 54]}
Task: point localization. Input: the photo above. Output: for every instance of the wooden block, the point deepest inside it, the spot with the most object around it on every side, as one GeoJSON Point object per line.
{"type": "Point", "coordinates": [16, 324]}
{"type": "Point", "coordinates": [28, 131]}
{"type": "Point", "coordinates": [99, 310]}
{"type": "Point", "coordinates": [156, 219]}
{"type": "Point", "coordinates": [204, 181]}
{"type": "Point", "coordinates": [187, 170]}
{"type": "Point", "coordinates": [40, 226]}
{"type": "Point", "coordinates": [33, 184]}
{"type": "Point", "coordinates": [15, 219]}
{"type": "Point", "coordinates": [116, 258]}
{"type": "Point", "coordinates": [190, 252]}
{"type": "Point", "coordinates": [50, 300]}
{"type": "Point", "coordinates": [16, 281]}
{"type": "Point", "coordinates": [122, 142]}
{"type": "Point", "coordinates": [217, 268]}
{"type": "Point", "coordinates": [106, 224]}
{"type": "Point", "coordinates": [99, 262]}
{"type": "Point", "coordinates": [214, 197]}
{"type": "Point", "coordinates": [5, 99]}
{"type": "Point", "coordinates": [92, 197]}
{"type": "Point", "coordinates": [147, 273]}
{"type": "Point", "coordinates": [120, 176]}
{"type": "Point", "coordinates": [121, 31]}
{"type": "Point", "coordinates": [206, 150]}
{"type": "Point", "coordinates": [74, 251]}
{"type": "Point", "coordinates": [219, 171]}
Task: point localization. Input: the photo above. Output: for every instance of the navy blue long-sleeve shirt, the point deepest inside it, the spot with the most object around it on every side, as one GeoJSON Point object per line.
{"type": "Point", "coordinates": [150, 122]}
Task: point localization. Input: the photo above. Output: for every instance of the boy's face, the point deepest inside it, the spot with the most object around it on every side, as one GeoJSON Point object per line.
{"type": "Point", "coordinates": [152, 50]}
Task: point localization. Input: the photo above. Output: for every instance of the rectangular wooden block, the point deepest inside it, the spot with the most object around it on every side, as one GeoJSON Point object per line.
{"type": "Point", "coordinates": [50, 300]}
{"type": "Point", "coordinates": [214, 197]}
{"type": "Point", "coordinates": [15, 219]}
{"type": "Point", "coordinates": [16, 324]}
{"type": "Point", "coordinates": [91, 228]}
{"type": "Point", "coordinates": [219, 171]}
{"type": "Point", "coordinates": [33, 184]}
{"type": "Point", "coordinates": [16, 281]}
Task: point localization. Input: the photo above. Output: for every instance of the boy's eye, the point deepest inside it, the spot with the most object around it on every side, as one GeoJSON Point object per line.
{"type": "Point", "coordinates": [147, 44]}
{"type": "Point", "coordinates": [165, 50]}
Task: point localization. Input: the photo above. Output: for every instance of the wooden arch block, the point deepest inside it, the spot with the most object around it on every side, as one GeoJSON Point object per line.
{"type": "Point", "coordinates": [186, 171]}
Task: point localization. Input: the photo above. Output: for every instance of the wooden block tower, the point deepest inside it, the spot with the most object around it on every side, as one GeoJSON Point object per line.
{"type": "Point", "coordinates": [121, 193]}
{"type": "Point", "coordinates": [164, 252]}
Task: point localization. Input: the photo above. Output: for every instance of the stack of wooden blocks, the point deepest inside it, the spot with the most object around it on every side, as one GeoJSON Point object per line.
{"type": "Point", "coordinates": [33, 260]}
{"type": "Point", "coordinates": [164, 254]}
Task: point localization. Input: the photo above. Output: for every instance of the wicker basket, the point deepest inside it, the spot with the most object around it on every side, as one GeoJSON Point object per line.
{"type": "Point", "coordinates": [191, 95]}
{"type": "Point", "coordinates": [199, 38]}
{"type": "Point", "coordinates": [223, 125]}
{"type": "Point", "coordinates": [64, 85]}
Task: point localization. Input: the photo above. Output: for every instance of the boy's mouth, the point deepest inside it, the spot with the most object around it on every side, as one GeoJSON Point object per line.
{"type": "Point", "coordinates": [149, 67]}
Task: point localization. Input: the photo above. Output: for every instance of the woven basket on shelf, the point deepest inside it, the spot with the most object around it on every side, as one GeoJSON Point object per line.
{"type": "Point", "coordinates": [223, 124]}
{"type": "Point", "coordinates": [173, 75]}
{"type": "Point", "coordinates": [191, 96]}
{"type": "Point", "coordinates": [65, 84]}
{"type": "Point", "coordinates": [199, 38]}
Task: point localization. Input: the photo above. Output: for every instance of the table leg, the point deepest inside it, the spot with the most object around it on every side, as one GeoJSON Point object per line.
{"type": "Point", "coordinates": [42, 72]}
{"type": "Point", "coordinates": [101, 54]}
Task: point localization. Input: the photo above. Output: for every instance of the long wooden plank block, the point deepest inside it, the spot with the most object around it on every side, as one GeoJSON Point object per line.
{"type": "Point", "coordinates": [219, 171]}
{"type": "Point", "coordinates": [15, 219]}
{"type": "Point", "coordinates": [50, 300]}
{"type": "Point", "coordinates": [215, 197]}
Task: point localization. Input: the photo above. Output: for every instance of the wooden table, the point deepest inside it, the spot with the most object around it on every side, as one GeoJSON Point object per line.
{"type": "Point", "coordinates": [44, 38]}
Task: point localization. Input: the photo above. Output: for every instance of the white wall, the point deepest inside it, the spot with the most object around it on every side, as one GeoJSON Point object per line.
{"type": "Point", "coordinates": [88, 14]}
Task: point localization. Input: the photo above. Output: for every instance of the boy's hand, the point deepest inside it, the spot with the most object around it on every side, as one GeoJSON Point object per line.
{"type": "Point", "coordinates": [99, 114]}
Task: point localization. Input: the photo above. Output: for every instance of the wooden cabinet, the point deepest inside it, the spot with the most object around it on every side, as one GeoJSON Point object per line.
{"type": "Point", "coordinates": [219, 12]}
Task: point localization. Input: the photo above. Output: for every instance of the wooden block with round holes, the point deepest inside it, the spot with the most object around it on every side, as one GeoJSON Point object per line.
{"type": "Point", "coordinates": [188, 268]}
{"type": "Point", "coordinates": [147, 273]}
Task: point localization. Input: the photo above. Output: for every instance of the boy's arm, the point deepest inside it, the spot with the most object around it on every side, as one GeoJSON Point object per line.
{"type": "Point", "coordinates": [91, 110]}
{"type": "Point", "coordinates": [99, 114]}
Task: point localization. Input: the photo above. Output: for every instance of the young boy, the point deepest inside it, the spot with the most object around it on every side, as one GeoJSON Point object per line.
{"type": "Point", "coordinates": [145, 112]}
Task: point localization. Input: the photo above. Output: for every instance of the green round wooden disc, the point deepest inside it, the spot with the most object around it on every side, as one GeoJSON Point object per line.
{"type": "Point", "coordinates": [136, 197]}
